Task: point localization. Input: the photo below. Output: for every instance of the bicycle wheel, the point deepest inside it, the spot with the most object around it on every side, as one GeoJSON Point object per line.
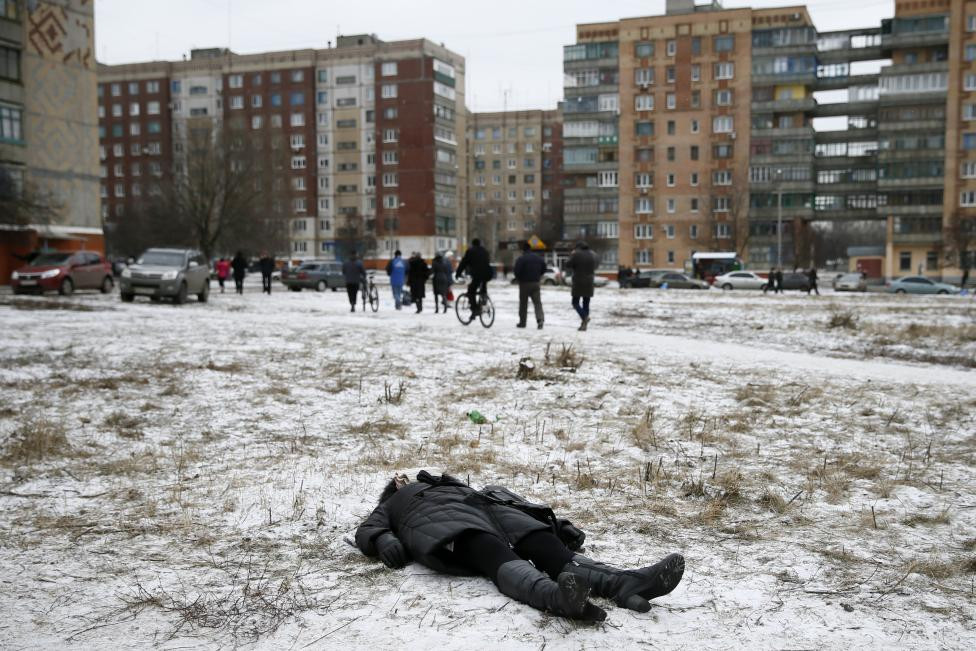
{"type": "Point", "coordinates": [374, 297]}
{"type": "Point", "coordinates": [462, 310]}
{"type": "Point", "coordinates": [487, 314]}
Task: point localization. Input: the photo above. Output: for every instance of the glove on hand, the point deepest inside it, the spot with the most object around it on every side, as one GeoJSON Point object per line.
{"type": "Point", "coordinates": [391, 551]}
{"type": "Point", "coordinates": [571, 536]}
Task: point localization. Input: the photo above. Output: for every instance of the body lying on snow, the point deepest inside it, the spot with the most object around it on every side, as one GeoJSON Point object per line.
{"type": "Point", "coordinates": [527, 552]}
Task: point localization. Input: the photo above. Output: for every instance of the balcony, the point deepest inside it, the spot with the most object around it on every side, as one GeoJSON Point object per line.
{"type": "Point", "coordinates": [838, 109]}
{"type": "Point", "coordinates": [912, 40]}
{"type": "Point", "coordinates": [840, 82]}
{"type": "Point", "coordinates": [785, 105]}
{"type": "Point", "coordinates": [924, 210]}
{"type": "Point", "coordinates": [927, 183]}
{"type": "Point", "coordinates": [792, 132]}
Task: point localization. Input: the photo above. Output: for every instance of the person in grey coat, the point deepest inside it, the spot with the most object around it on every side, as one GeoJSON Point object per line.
{"type": "Point", "coordinates": [354, 274]}
{"type": "Point", "coordinates": [529, 269]}
{"type": "Point", "coordinates": [442, 273]}
{"type": "Point", "coordinates": [582, 265]}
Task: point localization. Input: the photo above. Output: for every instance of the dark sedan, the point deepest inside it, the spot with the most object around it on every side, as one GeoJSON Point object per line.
{"type": "Point", "coordinates": [314, 275]}
{"type": "Point", "coordinates": [675, 280]}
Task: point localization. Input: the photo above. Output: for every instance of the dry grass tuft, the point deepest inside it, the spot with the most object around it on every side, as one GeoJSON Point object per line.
{"type": "Point", "coordinates": [772, 500]}
{"type": "Point", "coordinates": [566, 358]}
{"type": "Point", "coordinates": [229, 367]}
{"type": "Point", "coordinates": [925, 519]}
{"type": "Point", "coordinates": [126, 426]}
{"type": "Point", "coordinates": [34, 441]}
{"type": "Point", "coordinates": [643, 432]}
{"type": "Point", "coordinates": [842, 319]}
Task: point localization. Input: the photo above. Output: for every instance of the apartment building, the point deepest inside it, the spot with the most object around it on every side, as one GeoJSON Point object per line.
{"type": "Point", "coordinates": [514, 189]}
{"type": "Point", "coordinates": [48, 128]}
{"type": "Point", "coordinates": [370, 132]}
{"type": "Point", "coordinates": [748, 130]}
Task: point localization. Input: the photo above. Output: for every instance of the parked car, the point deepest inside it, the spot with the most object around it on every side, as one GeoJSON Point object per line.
{"type": "Point", "coordinates": [643, 278]}
{"type": "Point", "coordinates": [63, 273]}
{"type": "Point", "coordinates": [550, 277]}
{"type": "Point", "coordinates": [740, 280]}
{"type": "Point", "coordinates": [675, 280]}
{"type": "Point", "coordinates": [167, 273]}
{"type": "Point", "coordinates": [314, 275]}
{"type": "Point", "coordinates": [852, 282]}
{"type": "Point", "coordinates": [796, 280]}
{"type": "Point", "coordinates": [919, 285]}
{"type": "Point", "coordinates": [598, 281]}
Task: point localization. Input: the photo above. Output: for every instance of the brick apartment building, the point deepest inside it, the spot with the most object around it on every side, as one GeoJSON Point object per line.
{"type": "Point", "coordinates": [48, 128]}
{"type": "Point", "coordinates": [514, 176]}
{"type": "Point", "coordinates": [695, 131]}
{"type": "Point", "coordinates": [371, 132]}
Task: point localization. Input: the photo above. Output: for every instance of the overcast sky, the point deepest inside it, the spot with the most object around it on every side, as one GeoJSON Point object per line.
{"type": "Point", "coordinates": [513, 48]}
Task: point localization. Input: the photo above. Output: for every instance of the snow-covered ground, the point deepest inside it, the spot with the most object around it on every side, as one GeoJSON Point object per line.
{"type": "Point", "coordinates": [184, 477]}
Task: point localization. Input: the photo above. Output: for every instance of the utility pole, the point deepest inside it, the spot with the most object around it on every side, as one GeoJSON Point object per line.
{"type": "Point", "coordinates": [779, 218]}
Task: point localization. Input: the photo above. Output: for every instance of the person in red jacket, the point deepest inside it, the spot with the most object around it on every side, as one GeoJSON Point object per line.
{"type": "Point", "coordinates": [223, 271]}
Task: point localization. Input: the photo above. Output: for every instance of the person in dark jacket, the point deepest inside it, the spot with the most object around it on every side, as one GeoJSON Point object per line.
{"type": "Point", "coordinates": [770, 285]}
{"type": "Point", "coordinates": [442, 273]}
{"type": "Point", "coordinates": [267, 265]}
{"type": "Point", "coordinates": [779, 280]}
{"type": "Point", "coordinates": [529, 269]}
{"type": "Point", "coordinates": [812, 286]}
{"type": "Point", "coordinates": [396, 269]}
{"type": "Point", "coordinates": [582, 265]}
{"type": "Point", "coordinates": [354, 273]}
{"type": "Point", "coordinates": [239, 265]}
{"type": "Point", "coordinates": [417, 274]}
{"type": "Point", "coordinates": [449, 527]}
{"type": "Point", "coordinates": [477, 263]}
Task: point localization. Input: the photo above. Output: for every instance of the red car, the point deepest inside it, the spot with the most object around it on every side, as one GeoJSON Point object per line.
{"type": "Point", "coordinates": [64, 273]}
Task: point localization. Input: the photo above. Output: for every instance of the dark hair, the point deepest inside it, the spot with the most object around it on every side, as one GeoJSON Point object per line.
{"type": "Point", "coordinates": [388, 491]}
{"type": "Point", "coordinates": [396, 253]}
{"type": "Point", "coordinates": [526, 246]}
{"type": "Point", "coordinates": [476, 242]}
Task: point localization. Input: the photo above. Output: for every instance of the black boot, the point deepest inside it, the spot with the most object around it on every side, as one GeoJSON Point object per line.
{"type": "Point", "coordinates": [565, 597]}
{"type": "Point", "coordinates": [630, 588]}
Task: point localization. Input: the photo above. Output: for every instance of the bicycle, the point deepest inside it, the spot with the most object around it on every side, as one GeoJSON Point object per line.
{"type": "Point", "coordinates": [370, 293]}
{"type": "Point", "coordinates": [486, 313]}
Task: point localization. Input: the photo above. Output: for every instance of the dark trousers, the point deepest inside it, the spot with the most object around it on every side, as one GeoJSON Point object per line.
{"type": "Point", "coordinates": [485, 552]}
{"type": "Point", "coordinates": [582, 309]}
{"type": "Point", "coordinates": [813, 288]}
{"type": "Point", "coordinates": [239, 284]}
{"type": "Point", "coordinates": [353, 290]}
{"type": "Point", "coordinates": [474, 287]}
{"type": "Point", "coordinates": [266, 283]}
{"type": "Point", "coordinates": [221, 282]}
{"type": "Point", "coordinates": [530, 291]}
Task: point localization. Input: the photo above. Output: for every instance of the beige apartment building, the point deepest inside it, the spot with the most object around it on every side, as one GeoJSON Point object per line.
{"type": "Point", "coordinates": [513, 173]}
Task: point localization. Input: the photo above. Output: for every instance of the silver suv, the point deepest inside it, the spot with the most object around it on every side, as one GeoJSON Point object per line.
{"type": "Point", "coordinates": [167, 273]}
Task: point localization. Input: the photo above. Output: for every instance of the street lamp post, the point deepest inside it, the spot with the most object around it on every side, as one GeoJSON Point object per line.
{"type": "Point", "coordinates": [779, 219]}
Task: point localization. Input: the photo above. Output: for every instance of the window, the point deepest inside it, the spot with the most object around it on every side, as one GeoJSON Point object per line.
{"type": "Point", "coordinates": [152, 108]}
{"type": "Point", "coordinates": [969, 82]}
{"type": "Point", "coordinates": [9, 63]}
{"type": "Point", "coordinates": [669, 232]}
{"type": "Point", "coordinates": [969, 141]}
{"type": "Point", "coordinates": [967, 198]}
{"type": "Point", "coordinates": [644, 205]}
{"type": "Point", "coordinates": [724, 70]}
{"type": "Point", "coordinates": [722, 124]}
{"type": "Point", "coordinates": [117, 90]}
{"type": "Point", "coordinates": [134, 129]}
{"type": "Point", "coordinates": [671, 153]}
{"type": "Point", "coordinates": [724, 43]}
{"type": "Point", "coordinates": [644, 103]}
{"type": "Point", "coordinates": [297, 98]}
{"type": "Point", "coordinates": [971, 23]}
{"type": "Point", "coordinates": [720, 204]}
{"type": "Point", "coordinates": [694, 179]}
{"type": "Point", "coordinates": [644, 49]}
{"type": "Point", "coordinates": [670, 180]}
{"type": "Point", "coordinates": [644, 180]}
{"type": "Point", "coordinates": [297, 120]}
{"type": "Point", "coordinates": [695, 99]}
{"type": "Point", "coordinates": [275, 99]}
{"type": "Point", "coordinates": [696, 72]}
{"type": "Point", "coordinates": [671, 127]}
{"type": "Point", "coordinates": [237, 102]}
{"type": "Point", "coordinates": [235, 81]}
{"type": "Point", "coordinates": [644, 128]}
{"type": "Point", "coordinates": [693, 231]}
{"type": "Point", "coordinates": [342, 102]}
{"type": "Point", "coordinates": [388, 91]}
{"type": "Point", "coordinates": [607, 179]}
{"type": "Point", "coordinates": [9, 9]}
{"type": "Point", "coordinates": [276, 121]}
{"type": "Point", "coordinates": [671, 47]}
{"type": "Point", "coordinates": [297, 76]}
{"type": "Point", "coordinates": [391, 157]}
{"type": "Point", "coordinates": [388, 69]}
{"type": "Point", "coordinates": [643, 231]}
{"type": "Point", "coordinates": [644, 76]}
{"type": "Point", "coordinates": [723, 97]}
{"type": "Point", "coordinates": [969, 53]}
{"type": "Point", "coordinates": [722, 151]}
{"type": "Point", "coordinates": [968, 169]}
{"type": "Point", "coordinates": [905, 261]}
{"type": "Point", "coordinates": [669, 74]}
{"type": "Point", "coordinates": [671, 205]}
{"type": "Point", "coordinates": [116, 110]}
{"type": "Point", "coordinates": [693, 152]}
{"type": "Point", "coordinates": [670, 101]}
{"type": "Point", "coordinates": [257, 121]}
{"type": "Point", "coordinates": [723, 231]}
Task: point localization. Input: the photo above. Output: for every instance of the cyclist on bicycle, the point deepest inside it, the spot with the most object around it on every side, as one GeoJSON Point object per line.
{"type": "Point", "coordinates": [354, 274]}
{"type": "Point", "coordinates": [477, 263]}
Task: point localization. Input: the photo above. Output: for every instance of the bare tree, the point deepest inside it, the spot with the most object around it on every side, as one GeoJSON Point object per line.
{"type": "Point", "coordinates": [23, 203]}
{"type": "Point", "coordinates": [959, 235]}
{"type": "Point", "coordinates": [355, 234]}
{"type": "Point", "coordinates": [225, 193]}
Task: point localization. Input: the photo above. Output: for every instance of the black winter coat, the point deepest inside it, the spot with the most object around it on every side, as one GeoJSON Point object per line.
{"type": "Point", "coordinates": [267, 265]}
{"type": "Point", "coordinates": [239, 265]}
{"type": "Point", "coordinates": [442, 272]}
{"type": "Point", "coordinates": [529, 268]}
{"type": "Point", "coordinates": [427, 516]}
{"type": "Point", "coordinates": [417, 274]}
{"type": "Point", "coordinates": [582, 264]}
{"type": "Point", "coordinates": [476, 262]}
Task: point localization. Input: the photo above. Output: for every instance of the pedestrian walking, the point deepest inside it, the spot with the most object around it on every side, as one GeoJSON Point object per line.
{"type": "Point", "coordinates": [812, 285]}
{"type": "Point", "coordinates": [582, 264]}
{"type": "Point", "coordinates": [442, 274]}
{"type": "Point", "coordinates": [779, 280]}
{"type": "Point", "coordinates": [239, 265]}
{"type": "Point", "coordinates": [267, 265]}
{"type": "Point", "coordinates": [396, 269]}
{"type": "Point", "coordinates": [770, 285]}
{"type": "Point", "coordinates": [965, 277]}
{"type": "Point", "coordinates": [417, 274]}
{"type": "Point", "coordinates": [223, 272]}
{"type": "Point", "coordinates": [354, 273]}
{"type": "Point", "coordinates": [477, 263]}
{"type": "Point", "coordinates": [529, 269]}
